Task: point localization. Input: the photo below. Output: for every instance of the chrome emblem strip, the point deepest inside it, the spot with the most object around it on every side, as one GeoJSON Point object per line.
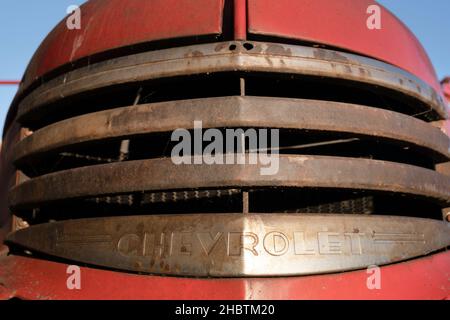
{"type": "Point", "coordinates": [237, 245]}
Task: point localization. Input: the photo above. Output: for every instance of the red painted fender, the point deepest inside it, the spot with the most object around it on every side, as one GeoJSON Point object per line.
{"type": "Point", "coordinates": [27, 278]}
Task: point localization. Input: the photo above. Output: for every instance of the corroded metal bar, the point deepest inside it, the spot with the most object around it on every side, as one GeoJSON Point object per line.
{"type": "Point", "coordinates": [231, 57]}
{"type": "Point", "coordinates": [236, 112]}
{"type": "Point", "coordinates": [236, 245]}
{"type": "Point", "coordinates": [294, 171]}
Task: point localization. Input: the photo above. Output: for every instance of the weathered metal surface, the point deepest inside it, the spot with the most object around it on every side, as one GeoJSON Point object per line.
{"type": "Point", "coordinates": [235, 245]}
{"type": "Point", "coordinates": [112, 24]}
{"type": "Point", "coordinates": [342, 24]}
{"type": "Point", "coordinates": [443, 125]}
{"type": "Point", "coordinates": [231, 57]}
{"type": "Point", "coordinates": [446, 214]}
{"type": "Point", "coordinates": [8, 177]}
{"type": "Point", "coordinates": [28, 278]}
{"type": "Point", "coordinates": [237, 112]}
{"type": "Point", "coordinates": [443, 168]}
{"type": "Point", "coordinates": [294, 171]}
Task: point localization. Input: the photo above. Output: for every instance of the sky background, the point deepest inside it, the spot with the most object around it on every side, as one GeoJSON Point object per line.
{"type": "Point", "coordinates": [24, 24]}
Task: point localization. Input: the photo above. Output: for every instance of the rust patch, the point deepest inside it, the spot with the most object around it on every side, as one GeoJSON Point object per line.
{"type": "Point", "coordinates": [347, 69]}
{"type": "Point", "coordinates": [277, 49]}
{"type": "Point", "coordinates": [364, 72]}
{"type": "Point", "coordinates": [194, 54]}
{"type": "Point", "coordinates": [257, 48]}
{"type": "Point", "coordinates": [419, 89]}
{"type": "Point", "coordinates": [221, 47]}
{"type": "Point", "coordinates": [329, 55]}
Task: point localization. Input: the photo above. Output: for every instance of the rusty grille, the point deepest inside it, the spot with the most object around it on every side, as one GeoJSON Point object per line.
{"type": "Point", "coordinates": [363, 125]}
{"type": "Point", "coordinates": [359, 156]}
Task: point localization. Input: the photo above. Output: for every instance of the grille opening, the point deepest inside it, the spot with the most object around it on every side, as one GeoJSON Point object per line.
{"type": "Point", "coordinates": [229, 201]}
{"type": "Point", "coordinates": [228, 84]}
{"type": "Point", "coordinates": [344, 202]}
{"type": "Point", "coordinates": [202, 86]}
{"type": "Point", "coordinates": [318, 88]}
{"type": "Point", "coordinates": [300, 142]}
{"type": "Point", "coordinates": [272, 200]}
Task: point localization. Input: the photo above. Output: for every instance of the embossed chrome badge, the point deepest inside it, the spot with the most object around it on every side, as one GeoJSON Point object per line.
{"type": "Point", "coordinates": [236, 245]}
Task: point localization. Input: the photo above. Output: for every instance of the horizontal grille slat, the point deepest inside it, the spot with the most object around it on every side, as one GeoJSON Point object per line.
{"type": "Point", "coordinates": [218, 57]}
{"type": "Point", "coordinates": [294, 172]}
{"type": "Point", "coordinates": [240, 112]}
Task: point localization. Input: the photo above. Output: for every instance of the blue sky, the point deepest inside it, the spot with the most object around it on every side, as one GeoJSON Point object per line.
{"type": "Point", "coordinates": [24, 24]}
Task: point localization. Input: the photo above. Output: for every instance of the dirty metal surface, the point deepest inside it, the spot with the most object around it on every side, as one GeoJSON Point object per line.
{"type": "Point", "coordinates": [294, 171]}
{"type": "Point", "coordinates": [231, 57]}
{"type": "Point", "coordinates": [228, 112]}
{"type": "Point", "coordinates": [236, 245]}
{"type": "Point", "coordinates": [443, 168]}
